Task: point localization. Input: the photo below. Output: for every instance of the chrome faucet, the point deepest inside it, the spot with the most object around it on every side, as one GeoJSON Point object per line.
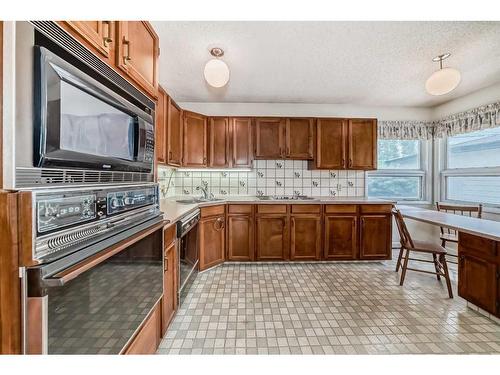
{"type": "Point", "coordinates": [204, 190]}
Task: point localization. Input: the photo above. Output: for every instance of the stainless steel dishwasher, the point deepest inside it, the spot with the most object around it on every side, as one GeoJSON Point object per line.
{"type": "Point", "coordinates": [187, 232]}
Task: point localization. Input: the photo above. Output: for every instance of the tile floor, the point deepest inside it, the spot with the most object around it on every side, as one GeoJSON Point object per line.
{"type": "Point", "coordinates": [329, 308]}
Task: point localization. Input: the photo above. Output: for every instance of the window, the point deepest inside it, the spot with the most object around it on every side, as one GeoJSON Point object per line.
{"type": "Point", "coordinates": [471, 170]}
{"type": "Point", "coordinates": [401, 171]}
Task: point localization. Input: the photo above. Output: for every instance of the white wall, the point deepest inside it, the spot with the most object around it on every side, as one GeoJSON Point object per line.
{"type": "Point", "coordinates": [309, 110]}
{"type": "Point", "coordinates": [478, 98]}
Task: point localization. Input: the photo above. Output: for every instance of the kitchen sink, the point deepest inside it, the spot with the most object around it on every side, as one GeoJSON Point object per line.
{"type": "Point", "coordinates": [197, 200]}
{"type": "Point", "coordinates": [285, 198]}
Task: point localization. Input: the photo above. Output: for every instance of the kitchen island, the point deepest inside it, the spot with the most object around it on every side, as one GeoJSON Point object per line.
{"type": "Point", "coordinates": [478, 256]}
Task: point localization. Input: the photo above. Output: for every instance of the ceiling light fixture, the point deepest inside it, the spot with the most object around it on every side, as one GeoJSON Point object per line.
{"type": "Point", "coordinates": [444, 80]}
{"type": "Point", "coordinates": [216, 71]}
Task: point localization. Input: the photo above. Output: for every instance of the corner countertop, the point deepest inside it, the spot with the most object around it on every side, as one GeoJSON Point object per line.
{"type": "Point", "coordinates": [480, 227]}
{"type": "Point", "coordinates": [173, 210]}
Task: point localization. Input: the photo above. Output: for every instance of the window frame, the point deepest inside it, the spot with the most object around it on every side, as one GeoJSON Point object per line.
{"type": "Point", "coordinates": [444, 172]}
{"type": "Point", "coordinates": [422, 172]}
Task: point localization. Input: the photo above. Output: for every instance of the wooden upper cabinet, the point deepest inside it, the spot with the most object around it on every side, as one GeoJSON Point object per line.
{"type": "Point", "coordinates": [138, 52]}
{"type": "Point", "coordinates": [331, 143]}
{"type": "Point", "coordinates": [362, 139]}
{"type": "Point", "coordinates": [97, 36]}
{"type": "Point", "coordinates": [241, 143]}
{"type": "Point", "coordinates": [299, 138]}
{"type": "Point", "coordinates": [174, 134]}
{"type": "Point", "coordinates": [269, 138]}
{"type": "Point", "coordinates": [194, 153]}
{"type": "Point", "coordinates": [161, 126]}
{"type": "Point", "coordinates": [305, 237]}
{"type": "Point", "coordinates": [218, 142]}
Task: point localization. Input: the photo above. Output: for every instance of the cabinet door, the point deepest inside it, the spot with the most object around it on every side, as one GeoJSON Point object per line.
{"type": "Point", "coordinates": [97, 36]}
{"type": "Point", "coordinates": [137, 53]}
{"type": "Point", "coordinates": [241, 135]}
{"type": "Point", "coordinates": [194, 153]}
{"type": "Point", "coordinates": [341, 237]}
{"type": "Point", "coordinates": [477, 282]}
{"type": "Point", "coordinates": [272, 237]}
{"type": "Point", "coordinates": [161, 127]}
{"type": "Point", "coordinates": [375, 237]}
{"type": "Point", "coordinates": [305, 237]}
{"type": "Point", "coordinates": [169, 301]}
{"type": "Point", "coordinates": [269, 142]}
{"type": "Point", "coordinates": [212, 241]}
{"type": "Point", "coordinates": [240, 237]}
{"type": "Point", "coordinates": [330, 143]}
{"type": "Point", "coordinates": [362, 144]}
{"type": "Point", "coordinates": [147, 339]}
{"type": "Point", "coordinates": [219, 142]}
{"type": "Point", "coordinates": [299, 138]}
{"type": "Point", "coordinates": [174, 134]}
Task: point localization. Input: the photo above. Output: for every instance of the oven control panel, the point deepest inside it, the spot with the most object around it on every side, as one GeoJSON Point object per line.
{"type": "Point", "coordinates": [57, 210]}
{"type": "Point", "coordinates": [125, 200]}
{"type": "Point", "coordinates": [63, 211]}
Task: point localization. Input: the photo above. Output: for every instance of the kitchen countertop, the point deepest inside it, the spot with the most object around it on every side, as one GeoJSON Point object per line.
{"type": "Point", "coordinates": [173, 210]}
{"type": "Point", "coordinates": [472, 225]}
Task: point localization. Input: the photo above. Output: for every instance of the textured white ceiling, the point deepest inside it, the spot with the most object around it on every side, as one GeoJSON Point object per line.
{"type": "Point", "coordinates": [362, 63]}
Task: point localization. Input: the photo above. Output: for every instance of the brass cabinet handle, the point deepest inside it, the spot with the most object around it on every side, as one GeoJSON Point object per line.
{"type": "Point", "coordinates": [107, 39]}
{"type": "Point", "coordinates": [170, 155]}
{"type": "Point", "coordinates": [220, 223]}
{"type": "Point", "coordinates": [165, 264]}
{"type": "Point", "coordinates": [204, 160]}
{"type": "Point", "coordinates": [127, 57]}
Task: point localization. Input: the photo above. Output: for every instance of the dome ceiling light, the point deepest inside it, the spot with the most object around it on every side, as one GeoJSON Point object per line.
{"type": "Point", "coordinates": [216, 71]}
{"type": "Point", "coordinates": [444, 80]}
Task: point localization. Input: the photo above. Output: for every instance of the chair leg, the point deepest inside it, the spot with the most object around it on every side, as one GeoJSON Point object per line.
{"type": "Point", "coordinates": [398, 264]}
{"type": "Point", "coordinates": [442, 259]}
{"type": "Point", "coordinates": [405, 266]}
{"type": "Point", "coordinates": [436, 266]}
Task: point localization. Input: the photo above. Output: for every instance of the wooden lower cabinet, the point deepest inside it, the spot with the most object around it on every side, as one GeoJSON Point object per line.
{"type": "Point", "coordinates": [240, 238]}
{"type": "Point", "coordinates": [341, 237]}
{"type": "Point", "coordinates": [478, 282]}
{"type": "Point", "coordinates": [169, 300]}
{"type": "Point", "coordinates": [305, 237]}
{"type": "Point", "coordinates": [148, 338]}
{"type": "Point", "coordinates": [272, 237]}
{"type": "Point", "coordinates": [375, 237]}
{"type": "Point", "coordinates": [212, 234]}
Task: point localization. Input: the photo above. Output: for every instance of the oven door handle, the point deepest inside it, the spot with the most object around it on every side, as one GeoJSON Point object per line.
{"type": "Point", "coordinates": [62, 277]}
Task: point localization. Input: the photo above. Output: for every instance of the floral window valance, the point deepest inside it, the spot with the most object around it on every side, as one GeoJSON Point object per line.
{"type": "Point", "coordinates": [405, 130]}
{"type": "Point", "coordinates": [484, 117]}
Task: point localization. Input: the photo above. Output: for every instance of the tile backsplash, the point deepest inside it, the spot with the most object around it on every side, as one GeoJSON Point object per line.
{"type": "Point", "coordinates": [268, 177]}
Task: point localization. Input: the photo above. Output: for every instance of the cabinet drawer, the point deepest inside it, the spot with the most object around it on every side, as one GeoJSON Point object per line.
{"type": "Point", "coordinates": [476, 245]}
{"type": "Point", "coordinates": [306, 209]}
{"type": "Point", "coordinates": [271, 209]}
{"type": "Point", "coordinates": [239, 209]}
{"type": "Point", "coordinates": [212, 210]}
{"type": "Point", "coordinates": [169, 235]}
{"type": "Point", "coordinates": [341, 209]}
{"type": "Point", "coordinates": [376, 208]}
